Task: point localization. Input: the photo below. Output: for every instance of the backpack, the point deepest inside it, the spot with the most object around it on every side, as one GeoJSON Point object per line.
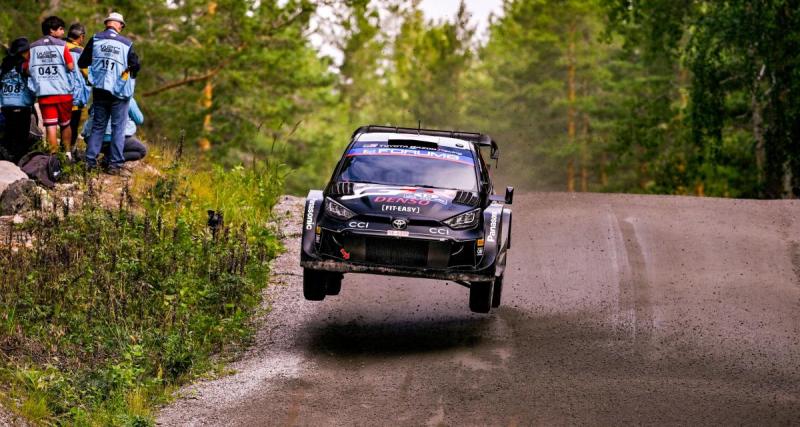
{"type": "Point", "coordinates": [44, 168]}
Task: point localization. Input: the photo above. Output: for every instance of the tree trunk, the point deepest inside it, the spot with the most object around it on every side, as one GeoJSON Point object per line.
{"type": "Point", "coordinates": [571, 106]}
{"type": "Point", "coordinates": [585, 140]}
{"type": "Point", "coordinates": [208, 96]}
{"type": "Point", "coordinates": [603, 173]}
{"type": "Point", "coordinates": [700, 189]}
{"type": "Point", "coordinates": [758, 135]}
{"type": "Point", "coordinates": [208, 102]}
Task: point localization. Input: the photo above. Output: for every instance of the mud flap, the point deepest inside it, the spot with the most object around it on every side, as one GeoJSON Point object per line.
{"type": "Point", "coordinates": [311, 213]}
{"type": "Point", "coordinates": [493, 234]}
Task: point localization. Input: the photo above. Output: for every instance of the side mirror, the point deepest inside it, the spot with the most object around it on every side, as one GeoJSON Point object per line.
{"type": "Point", "coordinates": [509, 195]}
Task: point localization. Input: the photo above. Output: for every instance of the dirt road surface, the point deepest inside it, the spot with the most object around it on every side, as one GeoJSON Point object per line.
{"type": "Point", "coordinates": [617, 309]}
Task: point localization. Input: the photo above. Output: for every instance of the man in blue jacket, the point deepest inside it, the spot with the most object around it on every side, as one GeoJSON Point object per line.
{"type": "Point", "coordinates": [134, 148]}
{"type": "Point", "coordinates": [113, 66]}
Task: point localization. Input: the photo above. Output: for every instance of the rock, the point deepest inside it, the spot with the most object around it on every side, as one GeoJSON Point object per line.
{"type": "Point", "coordinates": [21, 196]}
{"type": "Point", "coordinates": [9, 173]}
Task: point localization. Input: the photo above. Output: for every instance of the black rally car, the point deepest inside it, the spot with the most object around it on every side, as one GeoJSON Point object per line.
{"type": "Point", "coordinates": [409, 202]}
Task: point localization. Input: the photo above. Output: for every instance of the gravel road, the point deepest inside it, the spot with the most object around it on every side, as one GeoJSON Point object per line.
{"type": "Point", "coordinates": [617, 309]}
{"type": "Point", "coordinates": [8, 419]}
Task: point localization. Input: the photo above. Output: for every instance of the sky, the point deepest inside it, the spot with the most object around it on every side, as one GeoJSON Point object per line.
{"type": "Point", "coordinates": [446, 9]}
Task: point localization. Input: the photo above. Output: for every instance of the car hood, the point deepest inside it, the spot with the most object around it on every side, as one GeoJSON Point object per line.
{"type": "Point", "coordinates": [410, 202]}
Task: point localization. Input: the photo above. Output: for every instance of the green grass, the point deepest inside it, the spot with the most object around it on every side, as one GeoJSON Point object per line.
{"type": "Point", "coordinates": [113, 308]}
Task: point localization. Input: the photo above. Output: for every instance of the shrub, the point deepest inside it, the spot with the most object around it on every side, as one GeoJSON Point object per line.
{"type": "Point", "coordinates": [109, 308]}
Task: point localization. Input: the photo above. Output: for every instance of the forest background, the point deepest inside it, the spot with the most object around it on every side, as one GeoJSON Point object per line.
{"type": "Point", "coordinates": [645, 96]}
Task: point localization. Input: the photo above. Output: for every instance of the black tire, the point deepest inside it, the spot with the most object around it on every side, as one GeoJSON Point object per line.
{"type": "Point", "coordinates": [314, 284]}
{"type": "Point", "coordinates": [334, 283]}
{"type": "Point", "coordinates": [480, 296]}
{"type": "Point", "coordinates": [498, 291]}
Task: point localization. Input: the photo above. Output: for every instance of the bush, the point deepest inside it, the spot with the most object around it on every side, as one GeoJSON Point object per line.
{"type": "Point", "coordinates": [107, 309]}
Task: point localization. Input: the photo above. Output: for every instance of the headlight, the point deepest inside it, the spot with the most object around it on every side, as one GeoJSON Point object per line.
{"type": "Point", "coordinates": [336, 210]}
{"type": "Point", "coordinates": [465, 220]}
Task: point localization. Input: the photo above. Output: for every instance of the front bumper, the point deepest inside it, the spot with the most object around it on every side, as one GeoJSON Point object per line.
{"type": "Point", "coordinates": [426, 249]}
{"type": "Point", "coordinates": [371, 251]}
{"type": "Point", "coordinates": [347, 267]}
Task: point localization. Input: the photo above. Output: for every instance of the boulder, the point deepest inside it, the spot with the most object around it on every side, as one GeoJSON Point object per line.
{"type": "Point", "coordinates": [9, 173]}
{"type": "Point", "coordinates": [21, 196]}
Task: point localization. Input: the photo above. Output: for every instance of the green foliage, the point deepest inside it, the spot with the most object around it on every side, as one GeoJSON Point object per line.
{"type": "Point", "coordinates": [683, 97]}
{"type": "Point", "coordinates": [740, 63]}
{"type": "Point", "coordinates": [232, 72]}
{"type": "Point", "coordinates": [430, 62]}
{"type": "Point", "coordinates": [110, 308]}
{"type": "Point", "coordinates": [526, 103]}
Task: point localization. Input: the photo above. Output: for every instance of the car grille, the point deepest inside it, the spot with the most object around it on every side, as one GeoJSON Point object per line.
{"type": "Point", "coordinates": [393, 252]}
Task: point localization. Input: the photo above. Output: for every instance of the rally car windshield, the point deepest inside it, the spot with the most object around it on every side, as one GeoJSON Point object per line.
{"type": "Point", "coordinates": [410, 166]}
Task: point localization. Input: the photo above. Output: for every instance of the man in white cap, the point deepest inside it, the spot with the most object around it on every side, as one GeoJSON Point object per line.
{"type": "Point", "coordinates": [113, 66]}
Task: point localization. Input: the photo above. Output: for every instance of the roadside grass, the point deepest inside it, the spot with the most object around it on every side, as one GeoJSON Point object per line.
{"type": "Point", "coordinates": [107, 310]}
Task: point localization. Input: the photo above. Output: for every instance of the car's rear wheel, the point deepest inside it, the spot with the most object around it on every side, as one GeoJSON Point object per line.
{"type": "Point", "coordinates": [334, 283]}
{"type": "Point", "coordinates": [314, 284]}
{"type": "Point", "coordinates": [480, 296]}
{"type": "Point", "coordinates": [498, 291]}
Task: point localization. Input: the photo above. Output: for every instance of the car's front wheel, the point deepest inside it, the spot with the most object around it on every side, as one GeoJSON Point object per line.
{"type": "Point", "coordinates": [314, 284]}
{"type": "Point", "coordinates": [480, 296]}
{"type": "Point", "coordinates": [334, 283]}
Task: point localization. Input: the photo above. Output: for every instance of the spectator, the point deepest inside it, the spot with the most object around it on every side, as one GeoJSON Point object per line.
{"type": "Point", "coordinates": [76, 36]}
{"type": "Point", "coordinates": [16, 100]}
{"type": "Point", "coordinates": [50, 66]}
{"type": "Point", "coordinates": [134, 149]}
{"type": "Point", "coordinates": [113, 66]}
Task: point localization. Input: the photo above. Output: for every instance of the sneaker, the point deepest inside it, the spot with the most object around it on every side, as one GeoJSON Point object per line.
{"type": "Point", "coordinates": [119, 172]}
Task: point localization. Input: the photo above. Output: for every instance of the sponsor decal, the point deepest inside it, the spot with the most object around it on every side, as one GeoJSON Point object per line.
{"type": "Point", "coordinates": [492, 236]}
{"type": "Point", "coordinates": [440, 231]}
{"type": "Point", "coordinates": [427, 195]}
{"type": "Point", "coordinates": [479, 252]}
{"type": "Point", "coordinates": [395, 208]}
{"type": "Point", "coordinates": [411, 200]}
{"type": "Point", "coordinates": [397, 233]}
{"type": "Point", "coordinates": [358, 224]}
{"type": "Point", "coordinates": [47, 55]}
{"type": "Point", "coordinates": [410, 152]}
{"type": "Point", "coordinates": [110, 49]}
{"type": "Point", "coordinates": [310, 216]}
{"type": "Point", "coordinates": [441, 196]}
{"type": "Point", "coordinates": [345, 254]}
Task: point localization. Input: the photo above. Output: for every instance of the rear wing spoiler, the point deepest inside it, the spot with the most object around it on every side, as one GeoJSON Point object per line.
{"type": "Point", "coordinates": [476, 138]}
